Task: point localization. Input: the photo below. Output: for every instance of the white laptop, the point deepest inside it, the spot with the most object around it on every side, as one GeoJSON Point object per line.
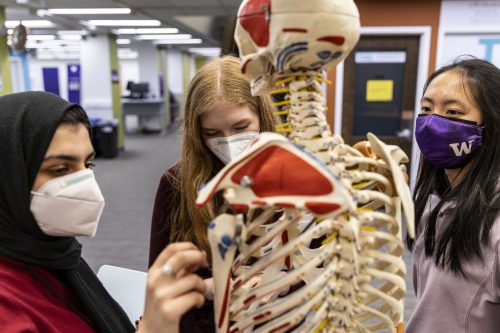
{"type": "Point", "coordinates": [127, 287]}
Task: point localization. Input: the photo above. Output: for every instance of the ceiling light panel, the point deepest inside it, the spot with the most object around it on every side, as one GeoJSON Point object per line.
{"type": "Point", "coordinates": [125, 23]}
{"type": "Point", "coordinates": [139, 31]}
{"type": "Point", "coordinates": [41, 37]}
{"type": "Point", "coordinates": [158, 37]}
{"type": "Point", "coordinates": [54, 47]}
{"type": "Point", "coordinates": [72, 32]}
{"type": "Point", "coordinates": [205, 51]}
{"type": "Point", "coordinates": [178, 41]}
{"type": "Point", "coordinates": [71, 37]}
{"type": "Point", "coordinates": [49, 43]}
{"type": "Point", "coordinates": [123, 41]}
{"type": "Point", "coordinates": [30, 24]}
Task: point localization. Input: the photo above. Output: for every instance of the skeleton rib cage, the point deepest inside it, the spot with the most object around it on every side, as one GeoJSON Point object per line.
{"type": "Point", "coordinates": [312, 241]}
{"type": "Point", "coordinates": [354, 280]}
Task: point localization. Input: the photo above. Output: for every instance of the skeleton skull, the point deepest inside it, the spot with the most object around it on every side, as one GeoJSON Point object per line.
{"type": "Point", "coordinates": [280, 36]}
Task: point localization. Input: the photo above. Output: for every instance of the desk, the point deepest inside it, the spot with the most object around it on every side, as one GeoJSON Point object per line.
{"type": "Point", "coordinates": [145, 107]}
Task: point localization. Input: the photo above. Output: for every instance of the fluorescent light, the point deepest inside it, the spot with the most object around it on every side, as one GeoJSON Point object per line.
{"type": "Point", "coordinates": [127, 53]}
{"type": "Point", "coordinates": [30, 23]}
{"type": "Point", "coordinates": [169, 37]}
{"type": "Point", "coordinates": [177, 41]}
{"type": "Point", "coordinates": [123, 41]}
{"type": "Point", "coordinates": [56, 42]}
{"type": "Point", "coordinates": [72, 32]}
{"type": "Point", "coordinates": [131, 23]}
{"type": "Point", "coordinates": [128, 56]}
{"type": "Point", "coordinates": [56, 48]}
{"type": "Point", "coordinates": [53, 46]}
{"type": "Point", "coordinates": [41, 37]}
{"type": "Point", "coordinates": [42, 13]}
{"type": "Point", "coordinates": [60, 56]}
{"type": "Point", "coordinates": [12, 24]}
{"type": "Point", "coordinates": [71, 37]}
{"type": "Point", "coordinates": [10, 31]}
{"type": "Point", "coordinates": [56, 51]}
{"type": "Point", "coordinates": [205, 51]}
{"type": "Point", "coordinates": [138, 31]}
{"type": "Point", "coordinates": [88, 11]}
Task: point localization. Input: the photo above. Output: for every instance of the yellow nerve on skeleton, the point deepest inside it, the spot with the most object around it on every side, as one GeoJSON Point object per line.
{"type": "Point", "coordinates": [310, 237]}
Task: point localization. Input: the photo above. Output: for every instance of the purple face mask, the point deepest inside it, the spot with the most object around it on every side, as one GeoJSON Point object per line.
{"type": "Point", "coordinates": [447, 143]}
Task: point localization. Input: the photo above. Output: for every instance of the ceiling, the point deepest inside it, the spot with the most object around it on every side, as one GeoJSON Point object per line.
{"type": "Point", "coordinates": [205, 19]}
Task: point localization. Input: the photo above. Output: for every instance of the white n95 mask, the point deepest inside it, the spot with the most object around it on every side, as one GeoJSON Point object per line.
{"type": "Point", "coordinates": [68, 206]}
{"type": "Point", "coordinates": [228, 148]}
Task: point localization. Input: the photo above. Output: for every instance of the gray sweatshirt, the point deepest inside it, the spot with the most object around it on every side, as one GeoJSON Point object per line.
{"type": "Point", "coordinates": [449, 303]}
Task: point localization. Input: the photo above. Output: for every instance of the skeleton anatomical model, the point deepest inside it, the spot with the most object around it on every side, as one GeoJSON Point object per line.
{"type": "Point", "coordinates": [310, 239]}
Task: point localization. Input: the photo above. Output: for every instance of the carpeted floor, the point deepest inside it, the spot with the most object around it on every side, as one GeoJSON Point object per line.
{"type": "Point", "coordinates": [129, 184]}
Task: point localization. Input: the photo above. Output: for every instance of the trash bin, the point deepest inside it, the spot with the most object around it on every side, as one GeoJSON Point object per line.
{"type": "Point", "coordinates": [105, 137]}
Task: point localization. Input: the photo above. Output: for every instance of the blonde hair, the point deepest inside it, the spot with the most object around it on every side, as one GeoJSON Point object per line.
{"type": "Point", "coordinates": [219, 82]}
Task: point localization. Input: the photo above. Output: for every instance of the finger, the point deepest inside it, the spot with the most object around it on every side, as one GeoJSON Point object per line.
{"type": "Point", "coordinates": [179, 287]}
{"type": "Point", "coordinates": [190, 269]}
{"type": "Point", "coordinates": [268, 298]}
{"type": "Point", "coordinates": [192, 259]}
{"type": "Point", "coordinates": [170, 250]}
{"type": "Point", "coordinates": [209, 289]}
{"type": "Point", "coordinates": [283, 291]}
{"type": "Point", "coordinates": [253, 282]}
{"type": "Point", "coordinates": [175, 308]}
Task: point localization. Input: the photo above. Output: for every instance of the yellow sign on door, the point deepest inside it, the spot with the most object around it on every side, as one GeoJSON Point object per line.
{"type": "Point", "coordinates": [379, 90]}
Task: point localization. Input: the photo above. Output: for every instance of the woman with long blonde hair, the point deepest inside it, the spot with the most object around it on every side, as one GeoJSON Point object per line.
{"type": "Point", "coordinates": [221, 118]}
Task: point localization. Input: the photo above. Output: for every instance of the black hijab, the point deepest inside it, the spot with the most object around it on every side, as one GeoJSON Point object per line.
{"type": "Point", "coordinates": [28, 122]}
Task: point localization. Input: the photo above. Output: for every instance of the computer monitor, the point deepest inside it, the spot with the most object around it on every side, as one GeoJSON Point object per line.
{"type": "Point", "coordinates": [139, 90]}
{"type": "Point", "coordinates": [129, 85]}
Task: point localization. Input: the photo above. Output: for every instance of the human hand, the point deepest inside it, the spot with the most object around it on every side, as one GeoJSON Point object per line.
{"type": "Point", "coordinates": [252, 283]}
{"type": "Point", "coordinates": [210, 288]}
{"type": "Point", "coordinates": [172, 288]}
{"type": "Point", "coordinates": [256, 281]}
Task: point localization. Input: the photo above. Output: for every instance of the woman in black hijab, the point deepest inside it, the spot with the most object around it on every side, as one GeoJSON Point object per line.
{"type": "Point", "coordinates": [48, 195]}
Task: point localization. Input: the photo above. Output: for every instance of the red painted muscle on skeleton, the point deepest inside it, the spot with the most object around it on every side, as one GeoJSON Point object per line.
{"type": "Point", "coordinates": [254, 19]}
{"type": "Point", "coordinates": [288, 35]}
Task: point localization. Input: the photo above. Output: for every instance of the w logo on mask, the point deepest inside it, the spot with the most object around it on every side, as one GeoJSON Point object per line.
{"type": "Point", "coordinates": [465, 147]}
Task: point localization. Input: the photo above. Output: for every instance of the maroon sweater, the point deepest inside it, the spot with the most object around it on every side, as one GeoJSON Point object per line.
{"type": "Point", "coordinates": [28, 306]}
{"type": "Point", "coordinates": [196, 320]}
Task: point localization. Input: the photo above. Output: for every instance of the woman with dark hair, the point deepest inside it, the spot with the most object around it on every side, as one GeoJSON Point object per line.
{"type": "Point", "coordinates": [48, 196]}
{"type": "Point", "coordinates": [457, 201]}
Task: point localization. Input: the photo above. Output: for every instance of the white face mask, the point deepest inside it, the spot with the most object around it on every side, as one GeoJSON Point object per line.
{"type": "Point", "coordinates": [68, 206]}
{"type": "Point", "coordinates": [228, 148]}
